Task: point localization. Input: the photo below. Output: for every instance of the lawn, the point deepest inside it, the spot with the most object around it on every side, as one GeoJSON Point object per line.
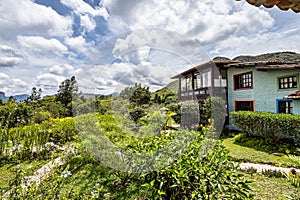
{"type": "Point", "coordinates": [245, 149]}
{"type": "Point", "coordinates": [268, 188]}
{"type": "Point", "coordinates": [259, 152]}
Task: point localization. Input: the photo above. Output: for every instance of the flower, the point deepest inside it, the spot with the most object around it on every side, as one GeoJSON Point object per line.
{"type": "Point", "coordinates": [66, 174]}
{"type": "Point", "coordinates": [96, 185]}
{"type": "Point", "coordinates": [106, 195]}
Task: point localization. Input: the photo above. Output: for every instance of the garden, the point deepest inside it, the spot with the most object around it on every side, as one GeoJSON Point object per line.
{"type": "Point", "coordinates": [126, 147]}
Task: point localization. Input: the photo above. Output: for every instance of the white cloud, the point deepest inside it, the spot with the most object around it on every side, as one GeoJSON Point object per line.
{"type": "Point", "coordinates": [39, 51]}
{"type": "Point", "coordinates": [8, 56]}
{"type": "Point", "coordinates": [208, 21]}
{"type": "Point", "coordinates": [39, 44]}
{"type": "Point", "coordinates": [26, 17]}
{"type": "Point", "coordinates": [80, 7]}
{"type": "Point", "coordinates": [79, 44]}
{"type": "Point", "coordinates": [49, 83]}
{"type": "Point", "coordinates": [259, 44]}
{"type": "Point", "coordinates": [11, 86]}
{"type": "Point", "coordinates": [108, 79]}
{"type": "Point", "coordinates": [140, 45]}
{"type": "Point", "coordinates": [87, 22]}
{"type": "Point", "coordinates": [62, 70]}
{"type": "Point", "coordinates": [86, 13]}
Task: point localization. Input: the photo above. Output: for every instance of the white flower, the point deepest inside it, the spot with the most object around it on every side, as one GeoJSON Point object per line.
{"type": "Point", "coordinates": [66, 174]}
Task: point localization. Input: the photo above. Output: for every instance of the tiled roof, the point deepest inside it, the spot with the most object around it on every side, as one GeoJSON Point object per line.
{"type": "Point", "coordinates": [295, 95]}
{"type": "Point", "coordinates": [282, 4]}
{"type": "Point", "coordinates": [265, 65]}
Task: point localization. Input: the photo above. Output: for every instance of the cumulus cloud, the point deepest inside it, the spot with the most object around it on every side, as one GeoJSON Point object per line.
{"type": "Point", "coordinates": [11, 86]}
{"type": "Point", "coordinates": [49, 82]}
{"type": "Point", "coordinates": [62, 70]}
{"type": "Point", "coordinates": [39, 44]}
{"type": "Point", "coordinates": [8, 56]}
{"type": "Point", "coordinates": [172, 48]}
{"type": "Point", "coordinates": [86, 13]}
{"type": "Point", "coordinates": [208, 21]}
{"type": "Point", "coordinates": [87, 22]}
{"type": "Point", "coordinates": [40, 51]}
{"type": "Point", "coordinates": [79, 44]}
{"type": "Point", "coordinates": [266, 43]}
{"type": "Point", "coordinates": [26, 17]}
{"type": "Point", "coordinates": [108, 79]}
{"type": "Point", "coordinates": [81, 7]}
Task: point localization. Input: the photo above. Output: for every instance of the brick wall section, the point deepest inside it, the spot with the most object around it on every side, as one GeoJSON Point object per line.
{"type": "Point", "coordinates": [265, 89]}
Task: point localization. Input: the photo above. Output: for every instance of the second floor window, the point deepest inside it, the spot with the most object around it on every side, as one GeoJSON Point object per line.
{"type": "Point", "coordinates": [243, 81]}
{"type": "Point", "coordinates": [288, 82]}
{"type": "Point", "coordinates": [203, 80]}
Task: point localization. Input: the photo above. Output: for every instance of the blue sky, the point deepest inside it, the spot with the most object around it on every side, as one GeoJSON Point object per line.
{"type": "Point", "coordinates": [110, 44]}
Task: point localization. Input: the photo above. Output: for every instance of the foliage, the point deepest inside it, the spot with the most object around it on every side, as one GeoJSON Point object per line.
{"type": "Point", "coordinates": [175, 108]}
{"type": "Point", "coordinates": [165, 96]}
{"type": "Point", "coordinates": [292, 175]}
{"type": "Point", "coordinates": [14, 114]}
{"type": "Point", "coordinates": [137, 95]}
{"type": "Point", "coordinates": [103, 105]}
{"type": "Point", "coordinates": [190, 114]}
{"type": "Point", "coordinates": [194, 177]}
{"type": "Point", "coordinates": [68, 90]}
{"type": "Point", "coordinates": [137, 113]}
{"type": "Point", "coordinates": [268, 125]}
{"type": "Point", "coordinates": [36, 94]}
{"type": "Point", "coordinates": [215, 111]}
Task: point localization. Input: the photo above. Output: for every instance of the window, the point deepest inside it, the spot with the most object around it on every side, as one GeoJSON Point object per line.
{"type": "Point", "coordinates": [244, 105]}
{"type": "Point", "coordinates": [288, 82]}
{"type": "Point", "coordinates": [243, 81]}
{"type": "Point", "coordinates": [284, 106]}
{"type": "Point", "coordinates": [203, 80]}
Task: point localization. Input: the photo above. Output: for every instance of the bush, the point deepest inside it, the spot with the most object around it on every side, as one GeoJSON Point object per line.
{"type": "Point", "coordinates": [194, 177]}
{"type": "Point", "coordinates": [215, 111]}
{"type": "Point", "coordinates": [190, 114]}
{"type": "Point", "coordinates": [268, 125]}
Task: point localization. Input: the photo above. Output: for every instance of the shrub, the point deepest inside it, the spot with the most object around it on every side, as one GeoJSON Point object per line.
{"type": "Point", "coordinates": [268, 125]}
{"type": "Point", "coordinates": [61, 130]}
{"type": "Point", "coordinates": [192, 176]}
{"type": "Point", "coordinates": [190, 114]}
{"type": "Point", "coordinates": [215, 110]}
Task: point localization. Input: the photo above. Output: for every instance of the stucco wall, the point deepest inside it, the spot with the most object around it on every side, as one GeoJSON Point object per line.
{"type": "Point", "coordinates": [265, 89]}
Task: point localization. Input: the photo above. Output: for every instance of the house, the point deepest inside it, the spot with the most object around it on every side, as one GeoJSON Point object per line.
{"type": "Point", "coordinates": [264, 86]}
{"type": "Point", "coordinates": [200, 82]}
{"type": "Point", "coordinates": [203, 81]}
{"type": "Point", "coordinates": [252, 86]}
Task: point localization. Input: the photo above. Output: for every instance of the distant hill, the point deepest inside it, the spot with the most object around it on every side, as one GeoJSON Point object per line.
{"type": "Point", "coordinates": [173, 86]}
{"type": "Point", "coordinates": [286, 57]}
{"type": "Point", "coordinates": [19, 97]}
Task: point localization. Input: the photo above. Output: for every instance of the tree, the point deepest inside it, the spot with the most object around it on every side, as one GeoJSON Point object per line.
{"type": "Point", "coordinates": [68, 90]}
{"type": "Point", "coordinates": [137, 94]}
{"type": "Point", "coordinates": [35, 94]}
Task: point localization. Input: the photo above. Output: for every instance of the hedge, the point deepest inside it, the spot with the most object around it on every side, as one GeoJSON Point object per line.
{"type": "Point", "coordinates": [268, 125]}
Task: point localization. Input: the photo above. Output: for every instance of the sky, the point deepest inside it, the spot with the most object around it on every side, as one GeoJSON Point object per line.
{"type": "Point", "coordinates": [111, 44]}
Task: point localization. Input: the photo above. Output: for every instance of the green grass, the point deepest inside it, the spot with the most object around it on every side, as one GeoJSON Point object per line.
{"type": "Point", "coordinates": [272, 188]}
{"type": "Point", "coordinates": [247, 154]}
{"type": "Point", "coordinates": [7, 170]}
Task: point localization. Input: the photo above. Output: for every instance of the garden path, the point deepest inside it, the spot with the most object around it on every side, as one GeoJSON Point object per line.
{"type": "Point", "coordinates": [264, 167]}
